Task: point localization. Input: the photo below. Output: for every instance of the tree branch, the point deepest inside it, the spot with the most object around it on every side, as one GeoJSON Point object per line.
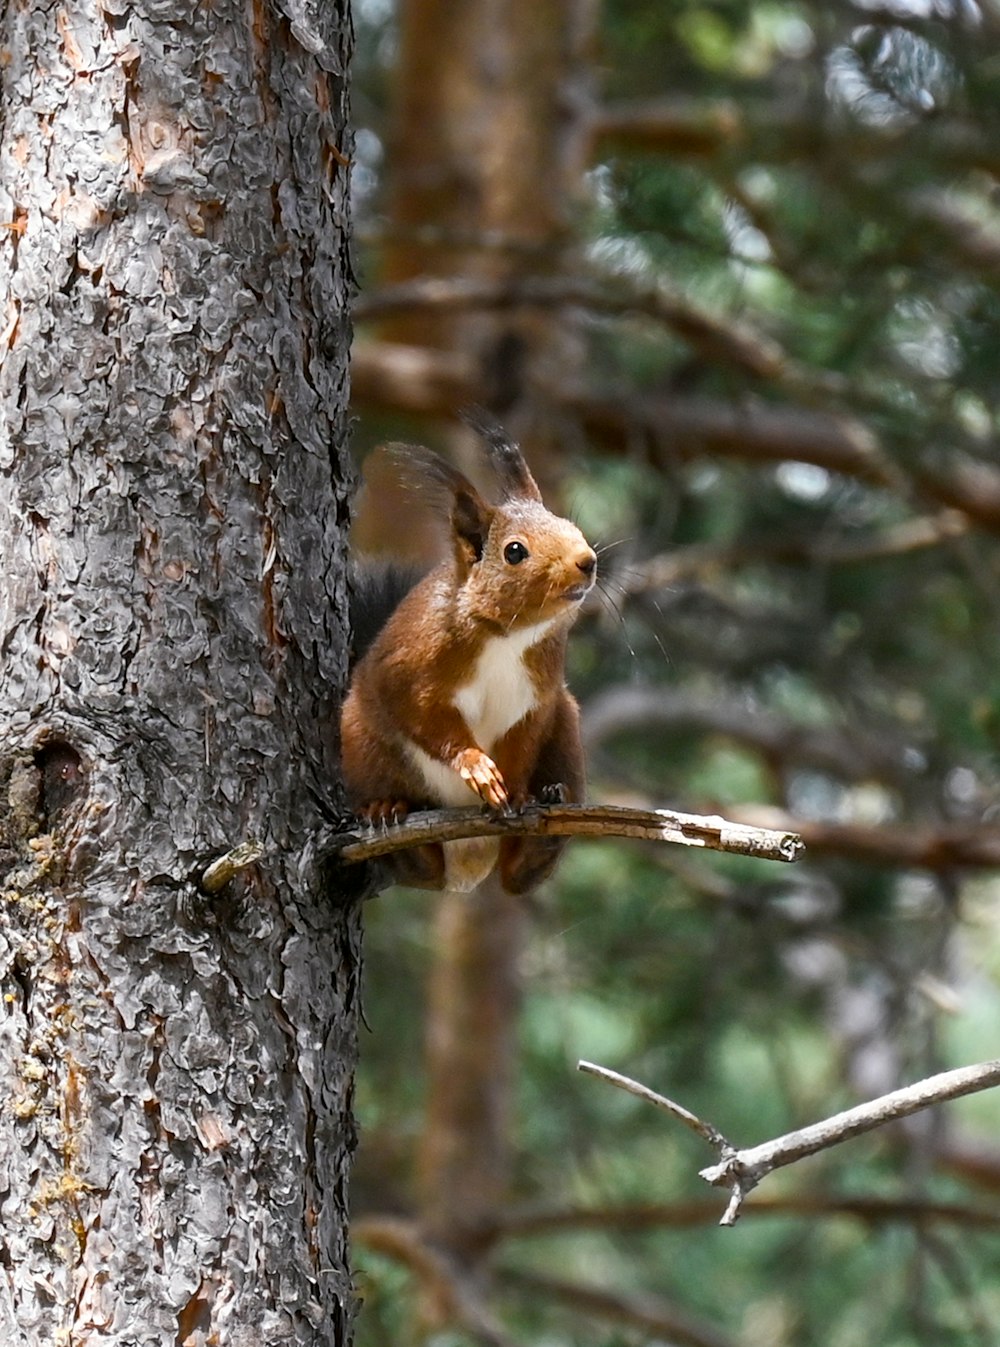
{"type": "Point", "coordinates": [217, 875]}
{"type": "Point", "coordinates": [700, 128]}
{"type": "Point", "coordinates": [849, 754]}
{"type": "Point", "coordinates": [699, 560]}
{"type": "Point", "coordinates": [362, 843]}
{"type": "Point", "coordinates": [741, 1170]}
{"type": "Point", "coordinates": [668, 428]}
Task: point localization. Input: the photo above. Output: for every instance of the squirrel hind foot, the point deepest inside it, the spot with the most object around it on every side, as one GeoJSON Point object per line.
{"type": "Point", "coordinates": [381, 813]}
{"type": "Point", "coordinates": [557, 792]}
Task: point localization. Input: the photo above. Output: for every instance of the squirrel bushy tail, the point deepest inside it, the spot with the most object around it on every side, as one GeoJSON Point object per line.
{"type": "Point", "coordinates": [376, 590]}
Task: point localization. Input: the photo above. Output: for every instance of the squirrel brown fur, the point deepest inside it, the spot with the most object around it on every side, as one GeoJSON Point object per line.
{"type": "Point", "coordinates": [461, 696]}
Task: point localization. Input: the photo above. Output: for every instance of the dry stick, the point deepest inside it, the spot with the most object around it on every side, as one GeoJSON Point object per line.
{"type": "Point", "coordinates": [742, 1170]}
{"type": "Point", "coordinates": [705, 1130]}
{"type": "Point", "coordinates": [361, 842]}
{"type": "Point", "coordinates": [570, 820]}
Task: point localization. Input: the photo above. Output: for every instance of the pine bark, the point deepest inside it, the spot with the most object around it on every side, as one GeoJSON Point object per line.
{"type": "Point", "coordinates": [175, 1069]}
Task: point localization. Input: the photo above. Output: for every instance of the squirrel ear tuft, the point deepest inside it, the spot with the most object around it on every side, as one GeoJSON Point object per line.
{"type": "Point", "coordinates": [448, 492]}
{"type": "Point", "coordinates": [513, 473]}
{"type": "Point", "coordinates": [428, 475]}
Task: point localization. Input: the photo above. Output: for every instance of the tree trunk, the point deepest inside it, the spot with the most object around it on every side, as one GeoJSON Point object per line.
{"type": "Point", "coordinates": [473, 1002]}
{"type": "Point", "coordinates": [176, 1068]}
{"type": "Point", "coordinates": [487, 165]}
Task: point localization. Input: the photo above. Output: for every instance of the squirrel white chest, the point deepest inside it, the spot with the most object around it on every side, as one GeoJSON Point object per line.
{"type": "Point", "coordinates": [498, 693]}
{"type": "Point", "coordinates": [501, 691]}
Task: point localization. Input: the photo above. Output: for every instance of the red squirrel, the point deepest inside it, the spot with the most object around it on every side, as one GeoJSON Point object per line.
{"type": "Point", "coordinates": [461, 697]}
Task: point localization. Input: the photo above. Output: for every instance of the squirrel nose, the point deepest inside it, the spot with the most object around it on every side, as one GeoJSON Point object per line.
{"type": "Point", "coordinates": [587, 562]}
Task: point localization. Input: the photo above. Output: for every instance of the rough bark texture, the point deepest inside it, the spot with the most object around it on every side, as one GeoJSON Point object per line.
{"type": "Point", "coordinates": [175, 1070]}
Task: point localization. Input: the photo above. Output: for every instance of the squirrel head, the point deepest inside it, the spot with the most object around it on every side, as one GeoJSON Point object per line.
{"type": "Point", "coordinates": [516, 563]}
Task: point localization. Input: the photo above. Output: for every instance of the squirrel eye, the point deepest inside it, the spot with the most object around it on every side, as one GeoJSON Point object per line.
{"type": "Point", "coordinates": [515, 553]}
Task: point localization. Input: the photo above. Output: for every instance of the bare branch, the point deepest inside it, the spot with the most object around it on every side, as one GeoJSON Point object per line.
{"type": "Point", "coordinates": [705, 1130]}
{"type": "Point", "coordinates": [221, 871]}
{"type": "Point", "coordinates": [741, 1170]}
{"type": "Point", "coordinates": [363, 843]}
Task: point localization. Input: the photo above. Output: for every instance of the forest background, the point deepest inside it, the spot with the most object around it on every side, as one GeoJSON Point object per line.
{"type": "Point", "coordinates": [730, 273]}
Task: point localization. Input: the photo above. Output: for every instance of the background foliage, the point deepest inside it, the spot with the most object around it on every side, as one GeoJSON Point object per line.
{"type": "Point", "coordinates": [790, 216]}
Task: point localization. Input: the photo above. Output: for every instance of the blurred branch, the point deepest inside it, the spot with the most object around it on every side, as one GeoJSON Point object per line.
{"type": "Point", "coordinates": [968, 485]}
{"type": "Point", "coordinates": [650, 1313]}
{"type": "Point", "coordinates": [777, 133]}
{"type": "Point", "coordinates": [862, 755]}
{"type": "Point", "coordinates": [972, 1159]}
{"type": "Point", "coordinates": [454, 1299]}
{"type": "Point", "coordinates": [674, 428]}
{"type": "Point", "coordinates": [686, 1215]}
{"type": "Point", "coordinates": [698, 560]}
{"type": "Point", "coordinates": [970, 239]}
{"type": "Point", "coordinates": [668, 427]}
{"type": "Point", "coordinates": [678, 127]}
{"type": "Point", "coordinates": [720, 340]}
{"type": "Point", "coordinates": [363, 843]}
{"type": "Point", "coordinates": [741, 1170]}
{"type": "Point", "coordinates": [938, 846]}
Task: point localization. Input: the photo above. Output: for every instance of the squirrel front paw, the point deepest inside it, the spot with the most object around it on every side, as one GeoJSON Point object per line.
{"type": "Point", "coordinates": [478, 770]}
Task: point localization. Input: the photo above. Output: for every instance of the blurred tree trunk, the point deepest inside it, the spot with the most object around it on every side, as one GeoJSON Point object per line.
{"type": "Point", "coordinates": [487, 160]}
{"type": "Point", "coordinates": [176, 1068]}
